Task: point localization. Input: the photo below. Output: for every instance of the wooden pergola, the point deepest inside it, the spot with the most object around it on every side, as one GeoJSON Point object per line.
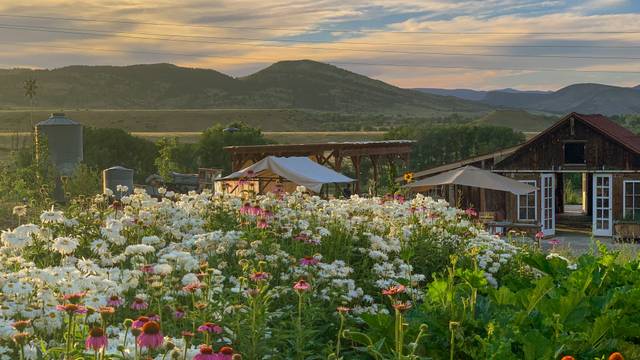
{"type": "Point", "coordinates": [329, 154]}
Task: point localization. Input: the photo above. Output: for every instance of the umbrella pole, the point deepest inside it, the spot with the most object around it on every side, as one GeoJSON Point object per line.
{"type": "Point", "coordinates": [483, 198]}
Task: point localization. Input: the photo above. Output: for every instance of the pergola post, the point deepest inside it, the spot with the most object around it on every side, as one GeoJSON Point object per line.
{"type": "Point", "coordinates": [355, 160]}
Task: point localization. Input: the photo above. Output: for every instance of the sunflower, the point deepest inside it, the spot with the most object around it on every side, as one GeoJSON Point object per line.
{"type": "Point", "coordinates": [408, 177]}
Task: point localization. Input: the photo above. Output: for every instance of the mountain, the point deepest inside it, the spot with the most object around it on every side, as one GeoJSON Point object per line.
{"type": "Point", "coordinates": [520, 120]}
{"type": "Point", "coordinates": [300, 84]}
{"type": "Point", "coordinates": [473, 95]}
{"type": "Point", "coordinates": [583, 98]}
{"type": "Point", "coordinates": [467, 94]}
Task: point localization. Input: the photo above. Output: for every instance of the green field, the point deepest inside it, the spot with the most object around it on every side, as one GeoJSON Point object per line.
{"type": "Point", "coordinates": [8, 140]}
{"type": "Point", "coordinates": [281, 120]}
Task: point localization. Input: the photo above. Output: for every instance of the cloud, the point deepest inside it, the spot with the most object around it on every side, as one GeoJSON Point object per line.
{"type": "Point", "coordinates": [226, 36]}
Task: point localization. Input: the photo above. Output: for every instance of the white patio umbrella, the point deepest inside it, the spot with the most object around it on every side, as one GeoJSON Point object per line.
{"type": "Point", "coordinates": [474, 177]}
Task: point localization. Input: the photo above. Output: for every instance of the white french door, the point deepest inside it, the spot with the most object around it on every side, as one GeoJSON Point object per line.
{"type": "Point", "coordinates": [548, 204]}
{"type": "Point", "coordinates": [602, 217]}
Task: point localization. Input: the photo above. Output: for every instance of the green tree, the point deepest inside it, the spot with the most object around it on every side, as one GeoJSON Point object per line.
{"type": "Point", "coordinates": [104, 148]}
{"type": "Point", "coordinates": [442, 144]}
{"type": "Point", "coordinates": [215, 138]}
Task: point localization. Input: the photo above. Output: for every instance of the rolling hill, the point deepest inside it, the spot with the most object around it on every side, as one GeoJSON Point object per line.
{"type": "Point", "coordinates": [474, 95]}
{"type": "Point", "coordinates": [583, 98]}
{"type": "Point", "coordinates": [300, 84]}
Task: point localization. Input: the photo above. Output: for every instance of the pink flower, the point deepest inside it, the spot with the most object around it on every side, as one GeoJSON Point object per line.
{"type": "Point", "coordinates": [139, 322]}
{"type": "Point", "coordinates": [394, 290]}
{"type": "Point", "coordinates": [255, 210]}
{"type": "Point", "coordinates": [259, 275]}
{"type": "Point", "coordinates": [244, 210]}
{"type": "Point", "coordinates": [147, 269]}
{"type": "Point", "coordinates": [539, 235]}
{"type": "Point", "coordinates": [115, 301]}
{"type": "Point", "coordinates": [262, 223]}
{"type": "Point", "coordinates": [139, 304]}
{"type": "Point", "coordinates": [178, 313]}
{"type": "Point", "coordinates": [471, 212]}
{"type": "Point", "coordinates": [151, 336]}
{"type": "Point", "coordinates": [399, 198]}
{"type": "Point", "coordinates": [554, 242]}
{"type": "Point", "coordinates": [210, 328]}
{"type": "Point", "coordinates": [75, 297]}
{"type": "Point", "coordinates": [301, 286]}
{"type": "Point", "coordinates": [309, 261]}
{"type": "Point", "coordinates": [96, 339]}
{"type": "Point", "coordinates": [206, 353]}
{"type": "Point", "coordinates": [72, 309]}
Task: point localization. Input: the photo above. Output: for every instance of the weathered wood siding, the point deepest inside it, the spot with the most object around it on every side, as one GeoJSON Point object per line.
{"type": "Point", "coordinates": [547, 152]}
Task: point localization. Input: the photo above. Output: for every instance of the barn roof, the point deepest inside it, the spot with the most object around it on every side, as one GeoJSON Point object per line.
{"type": "Point", "coordinates": [600, 123]}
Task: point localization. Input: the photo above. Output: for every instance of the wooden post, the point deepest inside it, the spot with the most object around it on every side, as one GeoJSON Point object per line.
{"type": "Point", "coordinates": [355, 160]}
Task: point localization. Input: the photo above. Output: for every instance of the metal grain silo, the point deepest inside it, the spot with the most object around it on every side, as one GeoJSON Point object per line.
{"type": "Point", "coordinates": [63, 141]}
{"type": "Point", "coordinates": [117, 175]}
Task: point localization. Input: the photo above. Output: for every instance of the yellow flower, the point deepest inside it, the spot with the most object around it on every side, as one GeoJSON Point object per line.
{"type": "Point", "coordinates": [408, 177]}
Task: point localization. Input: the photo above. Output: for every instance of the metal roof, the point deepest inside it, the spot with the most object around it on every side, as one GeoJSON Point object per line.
{"type": "Point", "coordinates": [57, 119]}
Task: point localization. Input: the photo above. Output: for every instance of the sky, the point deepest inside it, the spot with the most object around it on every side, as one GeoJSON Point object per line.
{"type": "Point", "coordinates": [478, 44]}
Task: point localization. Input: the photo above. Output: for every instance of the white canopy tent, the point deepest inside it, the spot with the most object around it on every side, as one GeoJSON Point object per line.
{"type": "Point", "coordinates": [299, 170]}
{"type": "Point", "coordinates": [474, 177]}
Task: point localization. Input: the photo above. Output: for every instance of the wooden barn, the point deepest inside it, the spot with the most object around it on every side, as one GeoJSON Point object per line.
{"type": "Point", "coordinates": [600, 158]}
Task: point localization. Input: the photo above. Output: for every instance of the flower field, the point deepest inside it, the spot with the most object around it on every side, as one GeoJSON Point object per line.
{"type": "Point", "coordinates": [204, 277]}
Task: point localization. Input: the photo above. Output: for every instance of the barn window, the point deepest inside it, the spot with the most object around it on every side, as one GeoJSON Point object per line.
{"type": "Point", "coordinates": [574, 153]}
{"type": "Point", "coordinates": [527, 204]}
{"type": "Point", "coordinates": [631, 201]}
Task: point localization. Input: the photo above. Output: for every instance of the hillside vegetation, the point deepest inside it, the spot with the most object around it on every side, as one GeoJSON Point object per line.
{"type": "Point", "coordinates": [582, 98]}
{"type": "Point", "coordinates": [519, 120]}
{"type": "Point", "coordinates": [301, 84]}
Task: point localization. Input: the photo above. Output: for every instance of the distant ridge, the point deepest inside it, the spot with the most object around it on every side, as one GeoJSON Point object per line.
{"type": "Point", "coordinates": [302, 84]}
{"type": "Point", "coordinates": [583, 98]}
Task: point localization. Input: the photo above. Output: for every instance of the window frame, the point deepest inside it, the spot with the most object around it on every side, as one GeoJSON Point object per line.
{"type": "Point", "coordinates": [533, 183]}
{"type": "Point", "coordinates": [564, 152]}
{"type": "Point", "coordinates": [633, 195]}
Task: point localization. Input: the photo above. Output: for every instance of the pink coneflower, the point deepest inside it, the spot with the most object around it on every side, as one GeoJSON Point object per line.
{"type": "Point", "coordinates": [301, 286]}
{"type": "Point", "coordinates": [21, 325]}
{"type": "Point", "coordinates": [394, 290]}
{"type": "Point", "coordinates": [539, 235]}
{"type": "Point", "coordinates": [554, 242]}
{"type": "Point", "coordinates": [255, 210]}
{"type": "Point", "coordinates": [191, 288]}
{"type": "Point", "coordinates": [210, 327]}
{"type": "Point", "coordinates": [147, 269]}
{"type": "Point", "coordinates": [178, 313]}
{"type": "Point", "coordinates": [309, 261]}
{"type": "Point", "coordinates": [302, 237]}
{"type": "Point", "coordinates": [140, 321]}
{"type": "Point", "coordinates": [96, 339]}
{"type": "Point", "coordinates": [244, 210]}
{"type": "Point", "coordinates": [262, 223]}
{"type": "Point", "coordinates": [471, 212]}
{"type": "Point", "coordinates": [206, 353]}
{"type": "Point", "coordinates": [115, 301]}
{"type": "Point", "coordinates": [399, 198]}
{"type": "Point", "coordinates": [139, 304]}
{"type": "Point", "coordinates": [75, 297]}
{"type": "Point", "coordinates": [151, 336]}
{"type": "Point", "coordinates": [154, 317]}
{"type": "Point", "coordinates": [72, 309]}
{"type": "Point", "coordinates": [259, 275]}
{"type": "Point", "coordinates": [225, 353]}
